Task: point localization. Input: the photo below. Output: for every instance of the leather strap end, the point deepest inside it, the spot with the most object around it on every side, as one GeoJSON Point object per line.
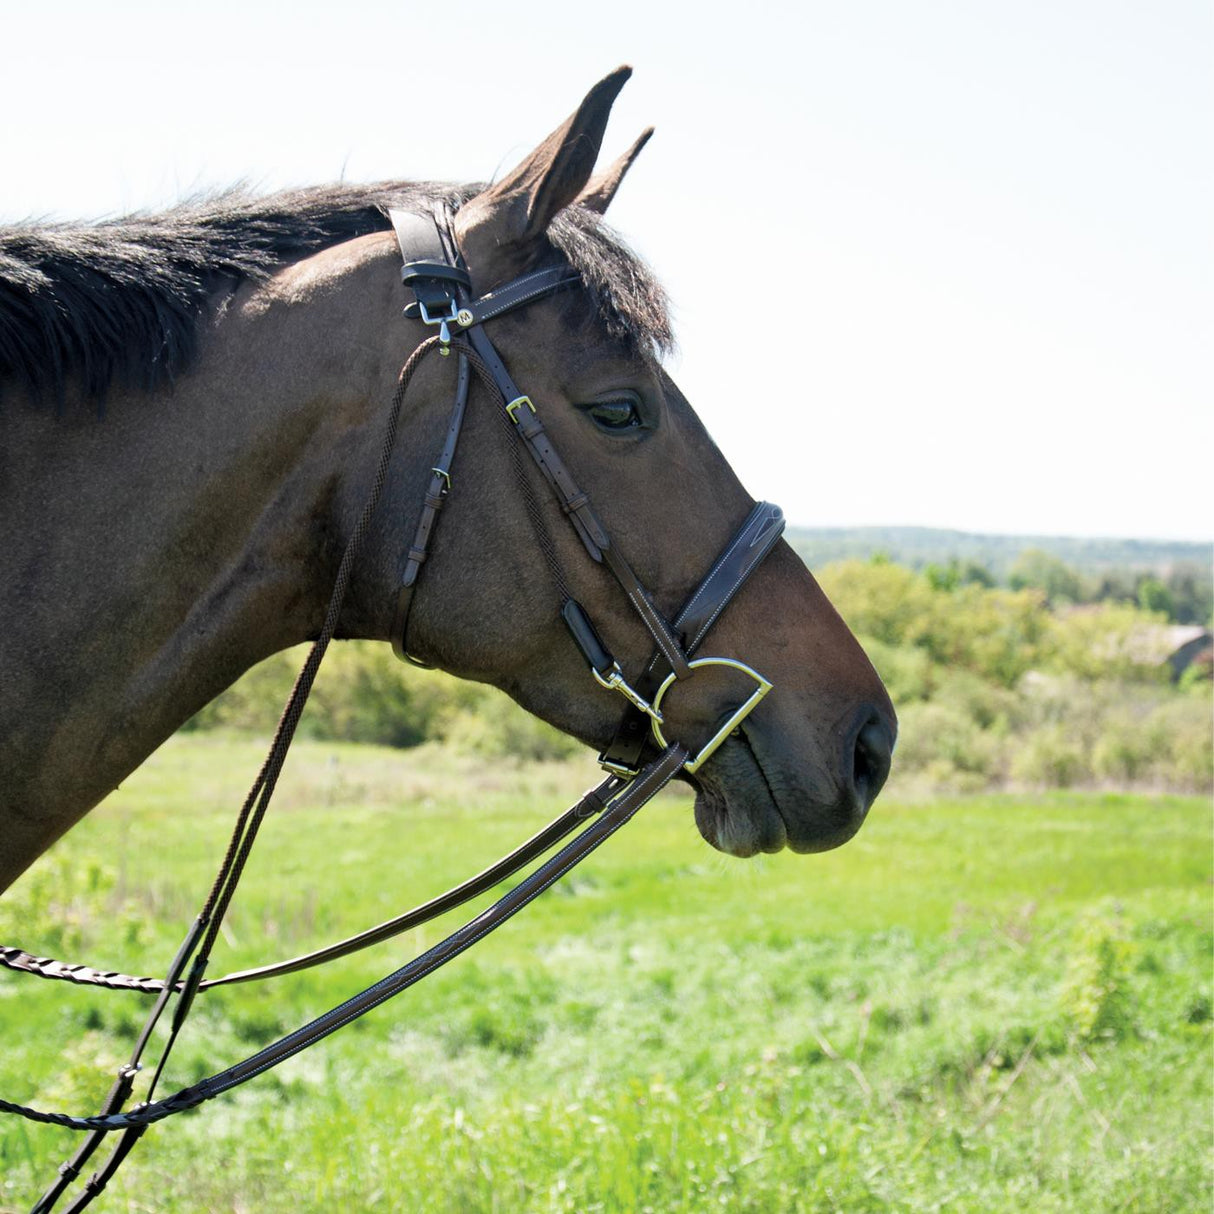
{"type": "Point", "coordinates": [586, 637]}
{"type": "Point", "coordinates": [400, 618]}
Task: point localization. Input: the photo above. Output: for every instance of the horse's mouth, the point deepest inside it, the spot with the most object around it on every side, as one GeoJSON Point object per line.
{"type": "Point", "coordinates": [739, 825]}
{"type": "Point", "coordinates": [742, 808]}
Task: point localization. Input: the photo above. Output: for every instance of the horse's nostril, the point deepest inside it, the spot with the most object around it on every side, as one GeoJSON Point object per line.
{"type": "Point", "coordinates": [870, 761]}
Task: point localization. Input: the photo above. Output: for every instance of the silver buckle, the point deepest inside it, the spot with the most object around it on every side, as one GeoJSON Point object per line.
{"type": "Point", "coordinates": [614, 680]}
{"type": "Point", "coordinates": [736, 719]}
{"type": "Point", "coordinates": [444, 333]}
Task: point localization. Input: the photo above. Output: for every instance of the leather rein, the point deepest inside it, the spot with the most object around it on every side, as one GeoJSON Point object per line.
{"type": "Point", "coordinates": [639, 760]}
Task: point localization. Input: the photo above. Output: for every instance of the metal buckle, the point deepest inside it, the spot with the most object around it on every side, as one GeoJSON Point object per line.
{"type": "Point", "coordinates": [736, 719]}
{"type": "Point", "coordinates": [512, 410]}
{"type": "Point", "coordinates": [444, 334]}
{"type": "Point", "coordinates": [623, 770]}
{"type": "Point", "coordinates": [614, 680]}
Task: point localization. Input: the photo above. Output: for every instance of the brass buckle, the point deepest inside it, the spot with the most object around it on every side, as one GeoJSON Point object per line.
{"type": "Point", "coordinates": [623, 770]}
{"type": "Point", "coordinates": [516, 404]}
{"type": "Point", "coordinates": [736, 719]}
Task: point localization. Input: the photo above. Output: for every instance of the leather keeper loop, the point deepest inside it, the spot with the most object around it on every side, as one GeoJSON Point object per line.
{"type": "Point", "coordinates": [587, 638]}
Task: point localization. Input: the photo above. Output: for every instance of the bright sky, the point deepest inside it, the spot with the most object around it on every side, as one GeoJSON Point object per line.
{"type": "Point", "coordinates": [981, 230]}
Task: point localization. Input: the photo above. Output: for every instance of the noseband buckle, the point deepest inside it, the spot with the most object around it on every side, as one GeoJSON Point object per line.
{"type": "Point", "coordinates": [692, 765]}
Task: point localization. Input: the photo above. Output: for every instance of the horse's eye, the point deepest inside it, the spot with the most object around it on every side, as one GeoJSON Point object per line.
{"type": "Point", "coordinates": [615, 415]}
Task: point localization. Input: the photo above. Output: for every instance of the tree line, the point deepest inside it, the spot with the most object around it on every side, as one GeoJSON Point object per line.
{"type": "Point", "coordinates": [1183, 594]}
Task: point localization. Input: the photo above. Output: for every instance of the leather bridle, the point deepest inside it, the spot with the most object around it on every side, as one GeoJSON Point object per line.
{"type": "Point", "coordinates": [639, 760]}
{"type": "Point", "coordinates": [442, 288]}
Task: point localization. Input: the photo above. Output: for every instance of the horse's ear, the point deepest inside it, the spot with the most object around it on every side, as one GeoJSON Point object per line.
{"type": "Point", "coordinates": [598, 194]}
{"type": "Point", "coordinates": [510, 216]}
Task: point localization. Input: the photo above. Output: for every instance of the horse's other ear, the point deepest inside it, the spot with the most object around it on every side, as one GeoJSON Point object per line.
{"type": "Point", "coordinates": [512, 214]}
{"type": "Point", "coordinates": [598, 194]}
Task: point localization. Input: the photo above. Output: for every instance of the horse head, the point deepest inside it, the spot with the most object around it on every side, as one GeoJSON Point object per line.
{"type": "Point", "coordinates": [804, 767]}
{"type": "Point", "coordinates": [173, 585]}
{"type": "Point", "coordinates": [159, 545]}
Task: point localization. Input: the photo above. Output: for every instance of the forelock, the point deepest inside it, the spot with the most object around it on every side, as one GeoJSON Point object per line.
{"type": "Point", "coordinates": [622, 289]}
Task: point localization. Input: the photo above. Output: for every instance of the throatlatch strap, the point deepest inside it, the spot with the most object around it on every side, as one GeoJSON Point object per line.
{"type": "Point", "coordinates": [432, 502]}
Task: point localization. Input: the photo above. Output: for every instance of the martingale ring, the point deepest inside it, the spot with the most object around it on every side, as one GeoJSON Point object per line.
{"type": "Point", "coordinates": [738, 716]}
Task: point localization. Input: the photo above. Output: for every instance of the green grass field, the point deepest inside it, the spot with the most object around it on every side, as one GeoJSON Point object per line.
{"type": "Point", "coordinates": [992, 1004]}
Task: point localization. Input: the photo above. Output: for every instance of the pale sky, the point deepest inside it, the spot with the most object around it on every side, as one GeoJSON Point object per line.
{"type": "Point", "coordinates": [983, 228]}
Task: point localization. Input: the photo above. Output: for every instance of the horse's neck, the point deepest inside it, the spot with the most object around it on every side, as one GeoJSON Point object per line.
{"type": "Point", "coordinates": [153, 556]}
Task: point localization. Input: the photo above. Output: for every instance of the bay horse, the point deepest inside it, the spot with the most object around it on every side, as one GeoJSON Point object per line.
{"type": "Point", "coordinates": [190, 408]}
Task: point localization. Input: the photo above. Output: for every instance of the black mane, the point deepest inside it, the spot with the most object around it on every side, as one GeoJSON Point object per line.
{"type": "Point", "coordinates": [119, 301]}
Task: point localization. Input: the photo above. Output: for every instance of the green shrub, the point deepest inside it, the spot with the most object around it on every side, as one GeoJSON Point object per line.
{"type": "Point", "coordinates": [877, 599]}
{"type": "Point", "coordinates": [996, 634]}
{"type": "Point", "coordinates": [362, 694]}
{"type": "Point", "coordinates": [498, 728]}
{"type": "Point", "coordinates": [1048, 757]}
{"type": "Point", "coordinates": [946, 743]}
{"type": "Point", "coordinates": [1095, 991]}
{"type": "Point", "coordinates": [1182, 729]}
{"type": "Point", "coordinates": [989, 705]}
{"type": "Point", "coordinates": [906, 672]}
{"type": "Point", "coordinates": [1109, 641]}
{"type": "Point", "coordinates": [1043, 571]}
{"type": "Point", "coordinates": [1078, 708]}
{"type": "Point", "coordinates": [1122, 754]}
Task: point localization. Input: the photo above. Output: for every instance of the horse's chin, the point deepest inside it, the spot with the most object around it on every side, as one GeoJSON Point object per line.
{"type": "Point", "coordinates": [743, 808]}
{"type": "Point", "coordinates": [738, 834]}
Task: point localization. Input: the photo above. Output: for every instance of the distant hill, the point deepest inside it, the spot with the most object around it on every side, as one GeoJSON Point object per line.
{"type": "Point", "coordinates": [920, 546]}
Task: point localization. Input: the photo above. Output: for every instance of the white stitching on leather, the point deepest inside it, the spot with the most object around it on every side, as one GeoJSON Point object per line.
{"type": "Point", "coordinates": [662, 641]}
{"type": "Point", "coordinates": [705, 583]}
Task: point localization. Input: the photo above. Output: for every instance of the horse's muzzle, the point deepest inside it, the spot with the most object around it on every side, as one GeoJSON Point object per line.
{"type": "Point", "coordinates": [752, 799]}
